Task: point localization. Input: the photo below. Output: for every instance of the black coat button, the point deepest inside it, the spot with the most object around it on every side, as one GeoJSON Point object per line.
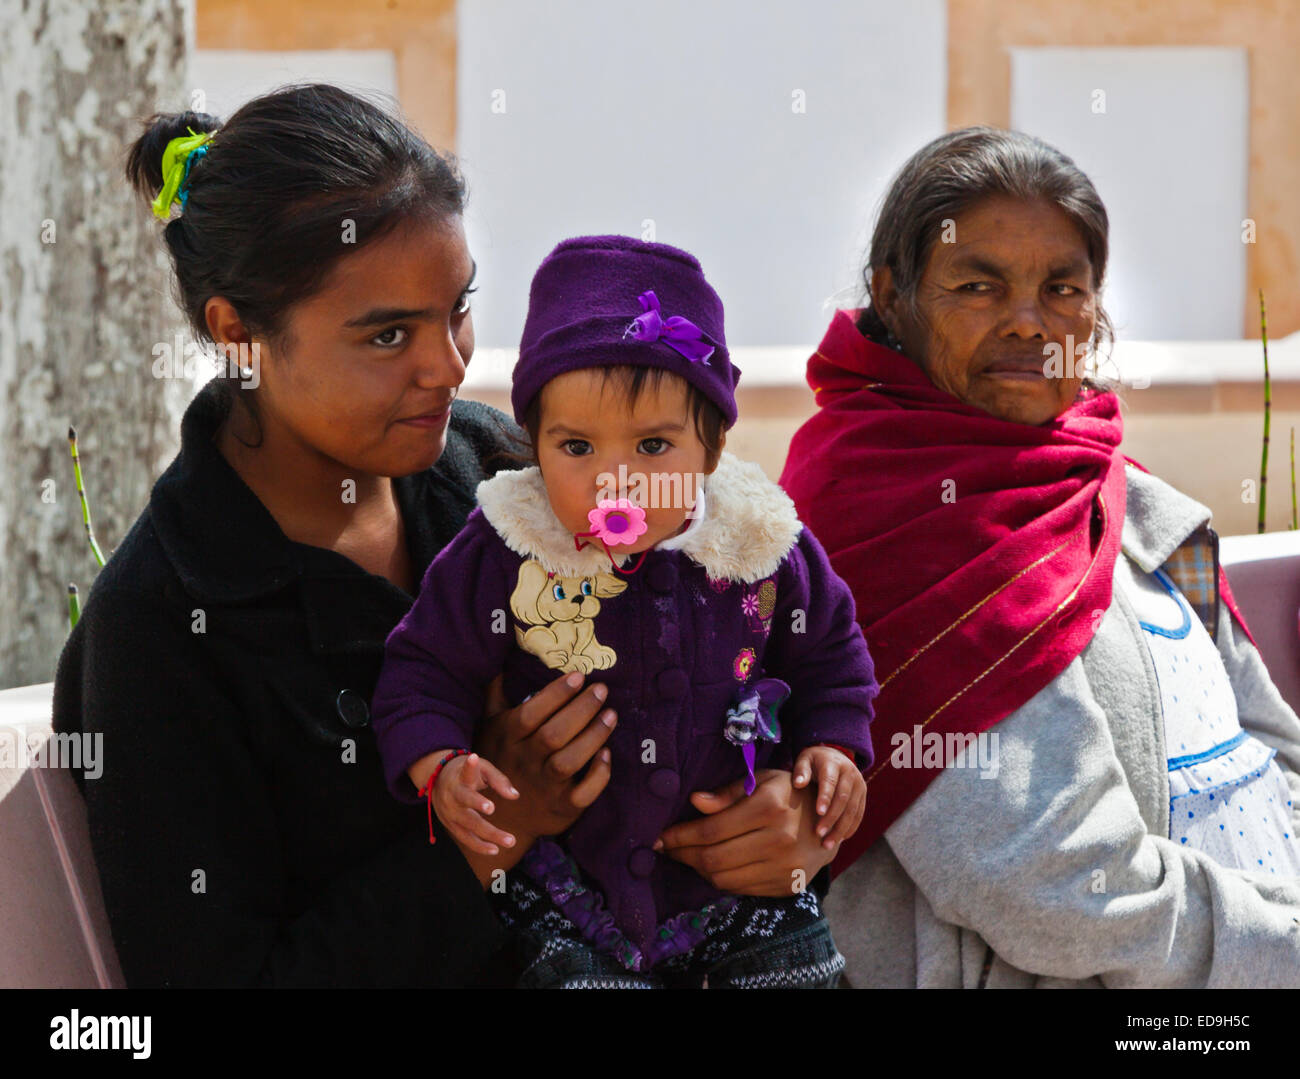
{"type": "Point", "coordinates": [352, 708]}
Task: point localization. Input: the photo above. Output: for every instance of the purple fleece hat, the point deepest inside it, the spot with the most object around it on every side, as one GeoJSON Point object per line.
{"type": "Point", "coordinates": [597, 301]}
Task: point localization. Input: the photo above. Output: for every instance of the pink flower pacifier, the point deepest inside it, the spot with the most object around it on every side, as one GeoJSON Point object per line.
{"type": "Point", "coordinates": [615, 521]}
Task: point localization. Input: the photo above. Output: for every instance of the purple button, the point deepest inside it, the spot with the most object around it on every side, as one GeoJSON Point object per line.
{"type": "Point", "coordinates": [664, 783]}
{"type": "Point", "coordinates": [641, 862]}
{"type": "Point", "coordinates": [672, 683]}
{"type": "Point", "coordinates": [661, 576]}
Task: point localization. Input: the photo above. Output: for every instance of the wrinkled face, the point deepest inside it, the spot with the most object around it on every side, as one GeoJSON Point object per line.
{"type": "Point", "coordinates": [371, 362]}
{"type": "Point", "coordinates": [586, 431]}
{"type": "Point", "coordinates": [1007, 311]}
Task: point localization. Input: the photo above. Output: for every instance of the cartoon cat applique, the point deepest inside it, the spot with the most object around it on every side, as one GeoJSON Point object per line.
{"type": "Point", "coordinates": [558, 611]}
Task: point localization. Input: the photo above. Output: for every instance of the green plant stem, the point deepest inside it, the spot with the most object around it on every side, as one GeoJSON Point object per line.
{"type": "Point", "coordinates": [74, 607]}
{"type": "Point", "coordinates": [81, 491]}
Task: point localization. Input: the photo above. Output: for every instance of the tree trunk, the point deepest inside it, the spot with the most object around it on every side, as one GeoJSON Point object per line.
{"type": "Point", "coordinates": [84, 295]}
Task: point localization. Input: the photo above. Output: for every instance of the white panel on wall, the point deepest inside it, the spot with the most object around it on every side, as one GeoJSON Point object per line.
{"type": "Point", "coordinates": [230, 77]}
{"type": "Point", "coordinates": [756, 134]}
{"type": "Point", "coordinates": [1162, 132]}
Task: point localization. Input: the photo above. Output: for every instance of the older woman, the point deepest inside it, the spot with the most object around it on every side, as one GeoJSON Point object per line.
{"type": "Point", "coordinates": [1084, 774]}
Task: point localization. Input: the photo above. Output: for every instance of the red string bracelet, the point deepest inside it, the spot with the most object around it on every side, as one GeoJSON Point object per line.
{"type": "Point", "coordinates": [853, 757]}
{"type": "Point", "coordinates": [427, 789]}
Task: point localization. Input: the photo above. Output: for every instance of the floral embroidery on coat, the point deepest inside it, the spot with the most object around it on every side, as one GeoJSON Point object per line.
{"type": "Point", "coordinates": [758, 605]}
{"type": "Point", "coordinates": [743, 664]}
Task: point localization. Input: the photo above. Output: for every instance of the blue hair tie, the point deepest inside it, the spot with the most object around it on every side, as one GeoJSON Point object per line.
{"type": "Point", "coordinates": [183, 192]}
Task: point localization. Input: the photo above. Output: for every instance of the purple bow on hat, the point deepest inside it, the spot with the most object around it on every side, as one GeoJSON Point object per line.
{"type": "Point", "coordinates": [677, 332]}
{"type": "Point", "coordinates": [752, 718]}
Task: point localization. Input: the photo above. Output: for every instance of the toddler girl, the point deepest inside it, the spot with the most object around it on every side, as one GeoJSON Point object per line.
{"type": "Point", "coordinates": [638, 549]}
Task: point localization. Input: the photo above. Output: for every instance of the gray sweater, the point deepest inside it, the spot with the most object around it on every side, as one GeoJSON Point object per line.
{"type": "Point", "coordinates": [1061, 864]}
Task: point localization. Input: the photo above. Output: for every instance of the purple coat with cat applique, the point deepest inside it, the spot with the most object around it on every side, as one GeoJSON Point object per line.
{"type": "Point", "coordinates": [744, 595]}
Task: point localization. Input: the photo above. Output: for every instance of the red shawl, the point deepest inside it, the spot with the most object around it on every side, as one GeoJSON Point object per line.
{"type": "Point", "coordinates": [980, 552]}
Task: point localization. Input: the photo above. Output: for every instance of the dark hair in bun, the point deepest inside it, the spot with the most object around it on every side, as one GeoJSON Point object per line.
{"type": "Point", "coordinates": [144, 162]}
{"type": "Point", "coordinates": [264, 218]}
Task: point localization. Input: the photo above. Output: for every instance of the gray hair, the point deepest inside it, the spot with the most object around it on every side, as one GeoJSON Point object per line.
{"type": "Point", "coordinates": [954, 172]}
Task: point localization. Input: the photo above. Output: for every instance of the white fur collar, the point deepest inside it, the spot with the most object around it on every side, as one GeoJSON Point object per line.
{"type": "Point", "coordinates": [747, 528]}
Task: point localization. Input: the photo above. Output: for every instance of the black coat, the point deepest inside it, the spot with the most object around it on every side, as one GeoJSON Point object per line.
{"type": "Point", "coordinates": [241, 825]}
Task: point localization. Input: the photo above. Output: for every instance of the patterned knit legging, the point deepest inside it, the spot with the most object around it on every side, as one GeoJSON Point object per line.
{"type": "Point", "coordinates": [759, 943]}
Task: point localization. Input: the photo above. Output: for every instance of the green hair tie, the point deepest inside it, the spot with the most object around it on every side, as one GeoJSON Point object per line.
{"type": "Point", "coordinates": [175, 169]}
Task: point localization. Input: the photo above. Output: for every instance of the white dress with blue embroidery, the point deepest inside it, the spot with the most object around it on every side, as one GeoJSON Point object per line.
{"type": "Point", "coordinates": [1227, 796]}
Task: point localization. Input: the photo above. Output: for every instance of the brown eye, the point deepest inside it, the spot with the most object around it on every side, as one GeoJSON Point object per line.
{"type": "Point", "coordinates": [384, 340]}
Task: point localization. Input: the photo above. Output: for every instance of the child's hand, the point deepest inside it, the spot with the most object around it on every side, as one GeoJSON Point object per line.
{"type": "Point", "coordinates": [841, 791]}
{"type": "Point", "coordinates": [459, 805]}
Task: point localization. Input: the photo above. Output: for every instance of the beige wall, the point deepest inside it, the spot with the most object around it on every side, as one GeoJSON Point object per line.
{"type": "Point", "coordinates": [420, 33]}
{"type": "Point", "coordinates": [1203, 440]}
{"type": "Point", "coordinates": [979, 92]}
{"type": "Point", "coordinates": [1207, 440]}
